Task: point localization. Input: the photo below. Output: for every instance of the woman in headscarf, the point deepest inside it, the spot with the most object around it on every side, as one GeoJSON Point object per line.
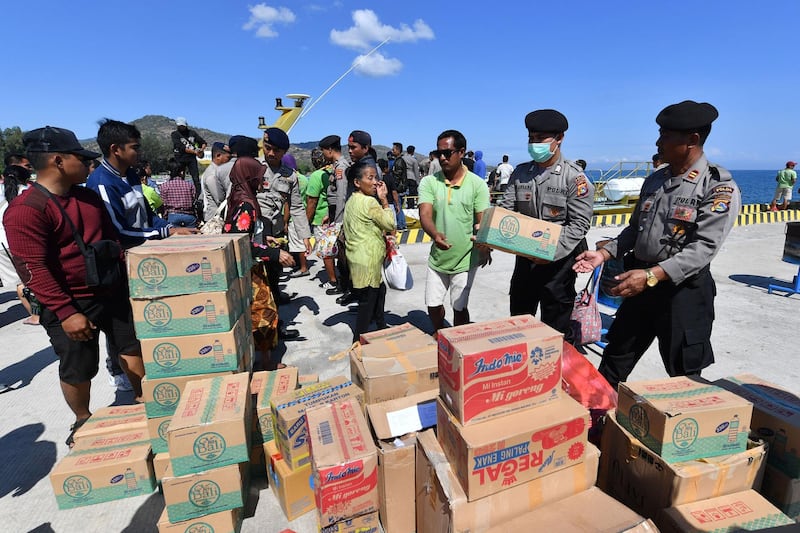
{"type": "Point", "coordinates": [244, 216]}
{"type": "Point", "coordinates": [365, 223]}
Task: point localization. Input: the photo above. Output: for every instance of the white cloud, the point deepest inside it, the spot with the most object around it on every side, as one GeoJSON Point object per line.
{"type": "Point", "coordinates": [377, 65]}
{"type": "Point", "coordinates": [264, 17]}
{"type": "Point", "coordinates": [368, 31]}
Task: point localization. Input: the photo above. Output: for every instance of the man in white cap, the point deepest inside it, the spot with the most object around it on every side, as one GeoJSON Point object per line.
{"type": "Point", "coordinates": [187, 146]}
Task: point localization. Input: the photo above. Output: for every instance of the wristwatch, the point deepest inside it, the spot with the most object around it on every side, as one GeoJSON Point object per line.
{"type": "Point", "coordinates": [652, 280]}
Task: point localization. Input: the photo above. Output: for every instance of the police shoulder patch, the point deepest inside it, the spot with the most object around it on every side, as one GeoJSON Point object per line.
{"type": "Point", "coordinates": [721, 205]}
{"type": "Point", "coordinates": [582, 185]}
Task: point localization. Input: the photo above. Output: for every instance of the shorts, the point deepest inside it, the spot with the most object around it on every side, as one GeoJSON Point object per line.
{"type": "Point", "coordinates": [460, 284]}
{"type": "Point", "coordinates": [783, 192]}
{"type": "Point", "coordinates": [296, 244]}
{"type": "Point", "coordinates": [79, 360]}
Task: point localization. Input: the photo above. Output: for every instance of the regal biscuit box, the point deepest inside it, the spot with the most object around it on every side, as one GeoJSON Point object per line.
{"type": "Point", "coordinates": [782, 491]}
{"type": "Point", "coordinates": [293, 488]}
{"type": "Point", "coordinates": [682, 419]}
{"type": "Point", "coordinates": [395, 424]}
{"type": "Point", "coordinates": [157, 428]}
{"type": "Point", "coordinates": [89, 476]}
{"type": "Point", "coordinates": [739, 511]}
{"type": "Point", "coordinates": [189, 314]}
{"type": "Point", "coordinates": [639, 478]}
{"type": "Point", "coordinates": [289, 415]}
{"type": "Point", "coordinates": [211, 426]}
{"type": "Point", "coordinates": [366, 523]}
{"type": "Point", "coordinates": [775, 422]}
{"type": "Point", "coordinates": [161, 396]}
{"type": "Point", "coordinates": [578, 514]}
{"type": "Point", "coordinates": [203, 493]}
{"type": "Point", "coordinates": [174, 267]}
{"type": "Point", "coordinates": [482, 376]}
{"type": "Point", "coordinates": [222, 522]}
{"type": "Point", "coordinates": [197, 354]}
{"type": "Point", "coordinates": [264, 386]}
{"type": "Point", "coordinates": [113, 419]}
{"type": "Point", "coordinates": [442, 504]}
{"type": "Point", "coordinates": [394, 333]}
{"type": "Point", "coordinates": [518, 234]}
{"type": "Point", "coordinates": [506, 451]}
{"type": "Point", "coordinates": [387, 378]}
{"type": "Point", "coordinates": [344, 461]}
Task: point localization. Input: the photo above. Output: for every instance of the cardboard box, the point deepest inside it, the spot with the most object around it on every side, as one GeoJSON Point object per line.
{"type": "Point", "coordinates": [292, 488]}
{"type": "Point", "coordinates": [173, 267]}
{"type": "Point", "coordinates": [203, 493]}
{"type": "Point", "coordinates": [442, 503]}
{"type": "Point", "coordinates": [197, 354]}
{"type": "Point", "coordinates": [774, 422]}
{"type": "Point", "coordinates": [682, 419]}
{"type": "Point", "coordinates": [399, 343]}
{"type": "Point", "coordinates": [387, 378]}
{"type": "Point", "coordinates": [518, 234]}
{"type": "Point", "coordinates": [745, 510]}
{"type": "Point", "coordinates": [395, 333]}
{"type": "Point", "coordinates": [264, 386]}
{"type": "Point", "coordinates": [768, 389]}
{"type": "Point", "coordinates": [157, 428]}
{"type": "Point", "coordinates": [241, 247]}
{"type": "Point", "coordinates": [344, 461]}
{"type": "Point", "coordinates": [189, 314]}
{"type": "Point", "coordinates": [160, 465]}
{"type": "Point", "coordinates": [484, 374]}
{"type": "Point", "coordinates": [307, 379]}
{"type": "Point", "coordinates": [102, 441]}
{"type": "Point", "coordinates": [211, 426]}
{"type": "Point", "coordinates": [510, 450]}
{"type": "Point", "coordinates": [395, 424]}
{"type": "Point", "coordinates": [639, 478]}
{"type": "Point", "coordinates": [590, 510]}
{"type": "Point", "coordinates": [289, 415]}
{"type": "Point", "coordinates": [162, 395]}
{"type": "Point", "coordinates": [114, 419]}
{"type": "Point", "coordinates": [366, 523]}
{"type": "Point", "coordinates": [89, 476]}
{"type": "Point", "coordinates": [222, 522]}
{"type": "Point", "coordinates": [782, 491]}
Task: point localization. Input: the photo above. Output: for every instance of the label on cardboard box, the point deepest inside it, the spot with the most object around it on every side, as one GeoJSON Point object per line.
{"type": "Point", "coordinates": [103, 441]}
{"type": "Point", "coordinates": [264, 386]}
{"type": "Point", "coordinates": [519, 234]}
{"type": "Point", "coordinates": [366, 523]}
{"type": "Point", "coordinates": [289, 415]}
{"type": "Point", "coordinates": [189, 314]}
{"type": "Point", "coordinates": [503, 452]}
{"type": "Point", "coordinates": [211, 426]}
{"type": "Point", "coordinates": [682, 419]}
{"type": "Point", "coordinates": [344, 461]}
{"type": "Point", "coordinates": [482, 375]}
{"type": "Point", "coordinates": [174, 267]}
{"type": "Point", "coordinates": [157, 428]}
{"type": "Point", "coordinates": [203, 493]}
{"type": "Point", "coordinates": [222, 522]}
{"type": "Point", "coordinates": [293, 488]}
{"type": "Point", "coordinates": [386, 378]}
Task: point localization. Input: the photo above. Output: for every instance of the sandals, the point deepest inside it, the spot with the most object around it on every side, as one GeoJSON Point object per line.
{"type": "Point", "coordinates": [74, 429]}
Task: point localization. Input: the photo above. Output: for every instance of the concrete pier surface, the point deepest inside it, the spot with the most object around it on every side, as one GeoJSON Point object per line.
{"type": "Point", "coordinates": [754, 332]}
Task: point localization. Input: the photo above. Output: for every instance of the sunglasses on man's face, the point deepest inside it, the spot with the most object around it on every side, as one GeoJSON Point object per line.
{"type": "Point", "coordinates": [447, 153]}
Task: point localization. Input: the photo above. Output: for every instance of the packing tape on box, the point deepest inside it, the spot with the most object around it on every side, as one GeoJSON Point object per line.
{"type": "Point", "coordinates": [411, 370]}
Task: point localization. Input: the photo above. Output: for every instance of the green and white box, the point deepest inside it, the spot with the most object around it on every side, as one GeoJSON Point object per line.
{"type": "Point", "coordinates": [203, 493]}
{"type": "Point", "coordinates": [161, 396]}
{"type": "Point", "coordinates": [518, 234]}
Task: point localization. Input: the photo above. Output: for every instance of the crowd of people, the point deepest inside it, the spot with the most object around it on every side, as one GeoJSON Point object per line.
{"type": "Point", "coordinates": [353, 207]}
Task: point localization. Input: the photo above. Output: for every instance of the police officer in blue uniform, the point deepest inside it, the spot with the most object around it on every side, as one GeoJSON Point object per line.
{"type": "Point", "coordinates": [553, 189]}
{"type": "Point", "coordinates": [685, 211]}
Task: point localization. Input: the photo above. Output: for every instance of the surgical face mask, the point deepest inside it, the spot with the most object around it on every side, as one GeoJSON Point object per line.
{"type": "Point", "coordinates": [540, 152]}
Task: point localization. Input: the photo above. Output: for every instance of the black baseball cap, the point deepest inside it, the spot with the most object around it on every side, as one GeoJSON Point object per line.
{"type": "Point", "coordinates": [55, 140]}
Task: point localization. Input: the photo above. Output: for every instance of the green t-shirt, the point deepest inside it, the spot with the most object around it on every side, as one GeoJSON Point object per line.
{"type": "Point", "coordinates": [786, 177]}
{"type": "Point", "coordinates": [455, 212]}
{"type": "Point", "coordinates": [152, 197]}
{"type": "Point", "coordinates": [317, 187]}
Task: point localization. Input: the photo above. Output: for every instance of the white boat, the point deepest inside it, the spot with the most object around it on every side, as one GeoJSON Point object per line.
{"type": "Point", "coordinates": [619, 189]}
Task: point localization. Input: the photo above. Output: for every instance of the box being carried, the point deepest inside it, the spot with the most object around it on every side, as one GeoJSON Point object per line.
{"type": "Point", "coordinates": [211, 426]}
{"type": "Point", "coordinates": [344, 461]}
{"type": "Point", "coordinates": [395, 376]}
{"type": "Point", "coordinates": [264, 386]}
{"type": "Point", "coordinates": [681, 419]}
{"type": "Point", "coordinates": [483, 374]}
{"type": "Point", "coordinates": [513, 232]}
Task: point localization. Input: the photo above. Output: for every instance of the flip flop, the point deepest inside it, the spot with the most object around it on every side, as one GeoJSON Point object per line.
{"type": "Point", "coordinates": [74, 429]}
{"type": "Point", "coordinates": [29, 322]}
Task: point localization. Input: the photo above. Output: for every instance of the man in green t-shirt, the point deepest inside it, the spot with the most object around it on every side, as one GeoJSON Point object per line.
{"type": "Point", "coordinates": [786, 179]}
{"type": "Point", "coordinates": [317, 209]}
{"type": "Point", "coordinates": [451, 202]}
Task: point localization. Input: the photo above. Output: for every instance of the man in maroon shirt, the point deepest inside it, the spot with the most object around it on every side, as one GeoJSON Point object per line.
{"type": "Point", "coordinates": [49, 261]}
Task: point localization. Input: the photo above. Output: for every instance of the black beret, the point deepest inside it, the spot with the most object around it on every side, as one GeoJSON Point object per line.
{"type": "Point", "coordinates": [687, 116]}
{"type": "Point", "coordinates": [277, 138]}
{"type": "Point", "coordinates": [546, 120]}
{"type": "Point", "coordinates": [361, 137]}
{"type": "Point", "coordinates": [243, 146]}
{"type": "Point", "coordinates": [331, 141]}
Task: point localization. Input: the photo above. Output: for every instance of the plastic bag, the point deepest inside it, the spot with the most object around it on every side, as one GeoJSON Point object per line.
{"type": "Point", "coordinates": [327, 245]}
{"type": "Point", "coordinates": [395, 268]}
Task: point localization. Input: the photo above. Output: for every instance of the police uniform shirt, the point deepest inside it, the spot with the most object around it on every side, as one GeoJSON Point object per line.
{"type": "Point", "coordinates": [681, 221]}
{"type": "Point", "coordinates": [271, 201]}
{"type": "Point", "coordinates": [560, 193]}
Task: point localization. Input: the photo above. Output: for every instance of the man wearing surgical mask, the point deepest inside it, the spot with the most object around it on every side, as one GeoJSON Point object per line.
{"type": "Point", "coordinates": [555, 190]}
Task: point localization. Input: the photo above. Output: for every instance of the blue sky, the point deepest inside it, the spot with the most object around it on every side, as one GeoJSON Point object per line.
{"type": "Point", "coordinates": [608, 66]}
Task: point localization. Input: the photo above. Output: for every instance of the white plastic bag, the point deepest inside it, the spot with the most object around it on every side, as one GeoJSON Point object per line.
{"type": "Point", "coordinates": [395, 268]}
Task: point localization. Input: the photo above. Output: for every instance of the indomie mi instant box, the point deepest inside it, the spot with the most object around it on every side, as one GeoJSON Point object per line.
{"type": "Point", "coordinates": [161, 396]}
{"type": "Point", "coordinates": [293, 488]}
{"type": "Point", "coordinates": [344, 461]}
{"type": "Point", "coordinates": [289, 415]}
{"type": "Point", "coordinates": [488, 374]}
{"type": "Point", "coordinates": [682, 419]}
{"type": "Point", "coordinates": [210, 427]}
{"type": "Point", "coordinates": [173, 267]}
{"type": "Point", "coordinates": [519, 234]}
{"type": "Point", "coordinates": [264, 386]}
{"type": "Point", "coordinates": [188, 314]}
{"type": "Point", "coordinates": [202, 493]}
